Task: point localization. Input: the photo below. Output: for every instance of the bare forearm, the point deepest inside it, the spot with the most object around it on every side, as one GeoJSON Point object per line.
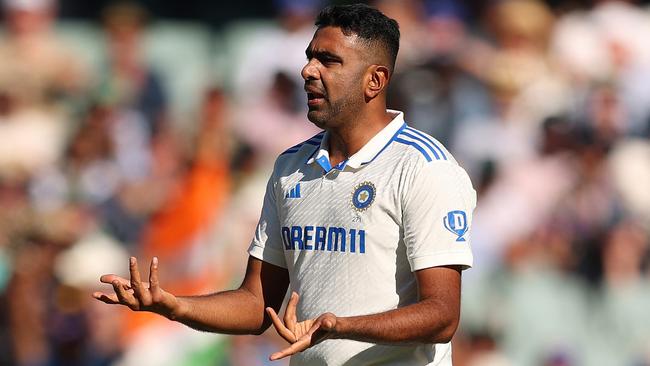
{"type": "Point", "coordinates": [433, 319]}
{"type": "Point", "coordinates": [427, 321]}
{"type": "Point", "coordinates": [231, 312]}
{"type": "Point", "coordinates": [238, 311]}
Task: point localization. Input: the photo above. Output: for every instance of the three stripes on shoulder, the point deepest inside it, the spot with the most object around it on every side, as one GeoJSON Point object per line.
{"type": "Point", "coordinates": [424, 144]}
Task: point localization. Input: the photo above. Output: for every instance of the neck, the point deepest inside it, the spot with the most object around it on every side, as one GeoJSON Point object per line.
{"type": "Point", "coordinates": [348, 138]}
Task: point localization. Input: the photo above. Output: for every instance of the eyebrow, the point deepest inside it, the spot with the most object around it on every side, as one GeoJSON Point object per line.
{"type": "Point", "coordinates": [322, 54]}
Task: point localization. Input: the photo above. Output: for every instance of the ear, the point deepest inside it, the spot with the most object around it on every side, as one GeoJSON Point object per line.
{"type": "Point", "coordinates": [376, 80]}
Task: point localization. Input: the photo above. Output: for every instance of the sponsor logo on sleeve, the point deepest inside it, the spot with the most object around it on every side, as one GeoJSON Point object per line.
{"type": "Point", "coordinates": [456, 223]}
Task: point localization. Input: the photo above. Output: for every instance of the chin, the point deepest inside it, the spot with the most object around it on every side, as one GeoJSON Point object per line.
{"type": "Point", "coordinates": [317, 119]}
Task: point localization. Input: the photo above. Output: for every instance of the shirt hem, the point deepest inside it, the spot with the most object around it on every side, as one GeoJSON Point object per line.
{"type": "Point", "coordinates": [463, 259]}
{"type": "Point", "coordinates": [267, 255]}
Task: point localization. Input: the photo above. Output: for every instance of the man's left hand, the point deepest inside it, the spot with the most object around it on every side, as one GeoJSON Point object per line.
{"type": "Point", "coordinates": [301, 335]}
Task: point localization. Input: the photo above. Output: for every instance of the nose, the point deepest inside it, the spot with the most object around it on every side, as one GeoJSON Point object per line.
{"type": "Point", "coordinates": [310, 71]}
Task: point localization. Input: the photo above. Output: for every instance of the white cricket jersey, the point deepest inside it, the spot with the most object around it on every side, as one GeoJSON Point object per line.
{"type": "Point", "coordinates": [352, 235]}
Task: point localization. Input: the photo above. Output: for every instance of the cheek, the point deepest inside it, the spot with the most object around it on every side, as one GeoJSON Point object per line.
{"type": "Point", "coordinates": [358, 81]}
{"type": "Point", "coordinates": [347, 85]}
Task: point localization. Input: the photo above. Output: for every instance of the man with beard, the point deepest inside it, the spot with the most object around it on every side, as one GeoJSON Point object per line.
{"type": "Point", "coordinates": [367, 222]}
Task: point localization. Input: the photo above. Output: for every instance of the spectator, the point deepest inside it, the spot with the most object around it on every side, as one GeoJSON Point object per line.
{"type": "Point", "coordinates": [35, 67]}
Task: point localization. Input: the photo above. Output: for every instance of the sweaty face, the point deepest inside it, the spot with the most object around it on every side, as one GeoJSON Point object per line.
{"type": "Point", "coordinates": [334, 77]}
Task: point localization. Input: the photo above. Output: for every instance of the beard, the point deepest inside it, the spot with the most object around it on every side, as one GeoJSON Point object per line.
{"type": "Point", "coordinates": [334, 113]}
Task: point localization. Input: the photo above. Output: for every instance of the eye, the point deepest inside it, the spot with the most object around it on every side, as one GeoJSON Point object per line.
{"type": "Point", "coordinates": [329, 60]}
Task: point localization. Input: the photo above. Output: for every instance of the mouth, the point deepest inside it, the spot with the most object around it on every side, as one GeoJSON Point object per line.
{"type": "Point", "coordinates": [314, 96]}
{"type": "Point", "coordinates": [314, 99]}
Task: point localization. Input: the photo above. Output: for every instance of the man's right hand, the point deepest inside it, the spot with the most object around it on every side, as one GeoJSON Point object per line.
{"type": "Point", "coordinates": [138, 295]}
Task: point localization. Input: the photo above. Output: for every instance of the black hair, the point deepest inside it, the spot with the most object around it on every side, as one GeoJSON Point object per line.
{"type": "Point", "coordinates": [366, 22]}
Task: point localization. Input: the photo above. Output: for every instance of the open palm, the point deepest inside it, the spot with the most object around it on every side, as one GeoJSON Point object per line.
{"type": "Point", "coordinates": [301, 335]}
{"type": "Point", "coordinates": [138, 295]}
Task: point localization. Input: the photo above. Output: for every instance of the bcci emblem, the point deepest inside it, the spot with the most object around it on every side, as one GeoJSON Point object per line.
{"type": "Point", "coordinates": [456, 222]}
{"type": "Point", "coordinates": [363, 196]}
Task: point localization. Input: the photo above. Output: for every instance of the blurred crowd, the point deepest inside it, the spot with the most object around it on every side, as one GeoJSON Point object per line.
{"type": "Point", "coordinates": [545, 104]}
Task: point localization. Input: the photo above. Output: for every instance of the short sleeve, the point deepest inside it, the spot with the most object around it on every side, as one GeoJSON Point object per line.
{"type": "Point", "coordinates": [267, 243]}
{"type": "Point", "coordinates": [438, 204]}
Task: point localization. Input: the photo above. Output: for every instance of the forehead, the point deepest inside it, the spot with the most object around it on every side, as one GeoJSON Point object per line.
{"type": "Point", "coordinates": [332, 39]}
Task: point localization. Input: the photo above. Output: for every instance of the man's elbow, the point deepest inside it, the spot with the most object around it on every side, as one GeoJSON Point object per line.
{"type": "Point", "coordinates": [259, 331]}
{"type": "Point", "coordinates": [266, 323]}
{"type": "Point", "coordinates": [248, 330]}
{"type": "Point", "coordinates": [445, 332]}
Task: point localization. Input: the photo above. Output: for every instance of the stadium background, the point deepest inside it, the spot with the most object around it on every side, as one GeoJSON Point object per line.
{"type": "Point", "coordinates": [150, 128]}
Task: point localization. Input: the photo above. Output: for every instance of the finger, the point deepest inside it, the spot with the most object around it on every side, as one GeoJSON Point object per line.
{"type": "Point", "coordinates": [107, 298]}
{"type": "Point", "coordinates": [140, 291]}
{"type": "Point", "coordinates": [301, 345]}
{"type": "Point", "coordinates": [317, 333]}
{"type": "Point", "coordinates": [279, 326]}
{"type": "Point", "coordinates": [313, 336]}
{"type": "Point", "coordinates": [109, 278]}
{"type": "Point", "coordinates": [125, 297]}
{"type": "Point", "coordinates": [290, 312]}
{"type": "Point", "coordinates": [154, 287]}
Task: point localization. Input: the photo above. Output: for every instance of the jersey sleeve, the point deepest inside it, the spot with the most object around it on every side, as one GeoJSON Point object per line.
{"type": "Point", "coordinates": [437, 216]}
{"type": "Point", "coordinates": [267, 243]}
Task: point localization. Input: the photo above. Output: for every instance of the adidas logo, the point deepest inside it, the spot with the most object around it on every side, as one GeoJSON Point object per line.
{"type": "Point", "coordinates": [294, 192]}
